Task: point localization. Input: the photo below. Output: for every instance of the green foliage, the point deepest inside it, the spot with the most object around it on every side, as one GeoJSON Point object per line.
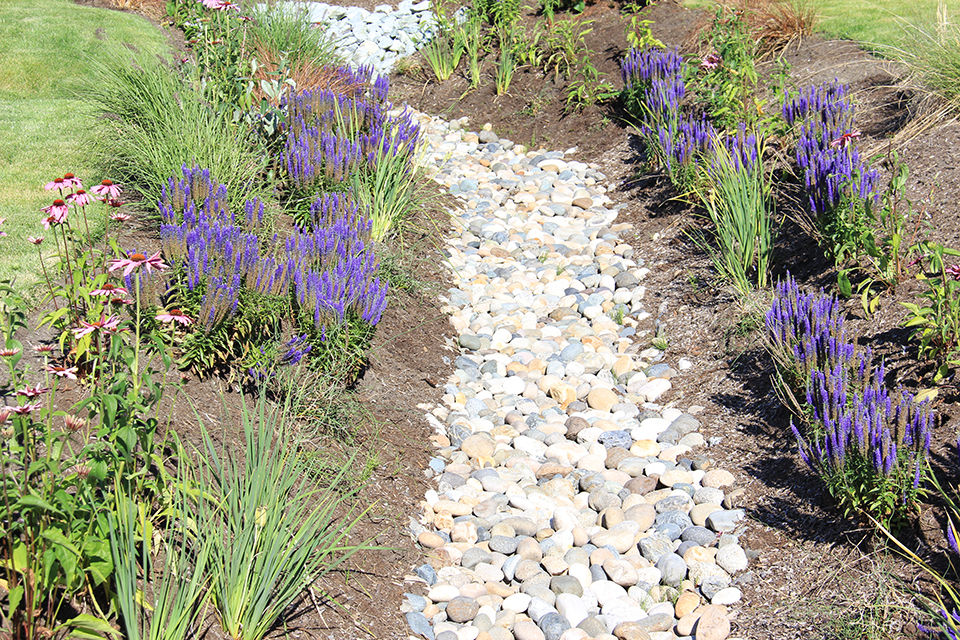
{"type": "Point", "coordinates": [169, 606]}
{"type": "Point", "coordinates": [736, 196]}
{"type": "Point", "coordinates": [876, 238]}
{"type": "Point", "coordinates": [473, 37]}
{"type": "Point", "coordinates": [444, 51]}
{"type": "Point", "coordinates": [727, 90]}
{"type": "Point", "coordinates": [549, 7]}
{"type": "Point", "coordinates": [936, 321]}
{"type": "Point", "coordinates": [500, 13]}
{"type": "Point", "coordinates": [273, 530]}
{"type": "Point", "coordinates": [509, 37]}
{"type": "Point", "coordinates": [389, 193]}
{"type": "Point", "coordinates": [153, 121]}
{"type": "Point", "coordinates": [59, 482]}
{"type": "Point", "coordinates": [640, 34]}
{"type": "Point", "coordinates": [285, 31]}
{"type": "Point", "coordinates": [233, 344]}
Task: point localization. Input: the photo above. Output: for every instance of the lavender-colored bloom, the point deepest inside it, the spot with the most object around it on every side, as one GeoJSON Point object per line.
{"type": "Point", "coordinates": [327, 267]}
{"type": "Point", "coordinates": [856, 415]}
{"type": "Point", "coordinates": [833, 170]}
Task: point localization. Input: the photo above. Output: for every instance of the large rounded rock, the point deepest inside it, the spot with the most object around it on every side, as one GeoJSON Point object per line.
{"type": "Point", "coordinates": [462, 609]}
{"type": "Point", "coordinates": [713, 624]}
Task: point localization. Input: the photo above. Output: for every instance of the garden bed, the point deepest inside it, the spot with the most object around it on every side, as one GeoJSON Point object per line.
{"type": "Point", "coordinates": [813, 573]}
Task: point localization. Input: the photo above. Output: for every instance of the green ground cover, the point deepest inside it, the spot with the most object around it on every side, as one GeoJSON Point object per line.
{"type": "Point", "coordinates": [48, 47]}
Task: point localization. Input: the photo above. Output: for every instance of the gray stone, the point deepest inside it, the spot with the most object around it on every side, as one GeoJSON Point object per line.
{"type": "Point", "coordinates": [462, 609]}
{"type": "Point", "coordinates": [673, 569]}
{"type": "Point", "coordinates": [553, 625]}
{"type": "Point", "coordinates": [420, 625]}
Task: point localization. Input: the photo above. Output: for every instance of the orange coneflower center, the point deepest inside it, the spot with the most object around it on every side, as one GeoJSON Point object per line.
{"type": "Point", "coordinates": [107, 183]}
{"type": "Point", "coordinates": [68, 176]}
{"type": "Point", "coordinates": [58, 180]}
{"type": "Point", "coordinates": [137, 256]}
{"type": "Point", "coordinates": [59, 203]}
{"type": "Point", "coordinates": [109, 287]}
{"type": "Point", "coordinates": [80, 192]}
{"type": "Point", "coordinates": [176, 312]}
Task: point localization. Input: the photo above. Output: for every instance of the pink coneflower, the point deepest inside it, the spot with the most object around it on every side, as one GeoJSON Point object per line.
{"type": "Point", "coordinates": [70, 373]}
{"type": "Point", "coordinates": [34, 239]}
{"type": "Point", "coordinates": [72, 181]}
{"type": "Point", "coordinates": [74, 423]}
{"type": "Point", "coordinates": [137, 260]}
{"type": "Point", "coordinates": [8, 353]}
{"type": "Point", "coordinates": [56, 183]}
{"type": "Point", "coordinates": [219, 5]}
{"type": "Point", "coordinates": [120, 217]}
{"type": "Point", "coordinates": [79, 198]}
{"type": "Point", "coordinates": [108, 290]}
{"type": "Point", "coordinates": [56, 213]}
{"type": "Point", "coordinates": [32, 392]}
{"type": "Point", "coordinates": [953, 272]}
{"type": "Point", "coordinates": [175, 315]}
{"type": "Point", "coordinates": [43, 348]}
{"type": "Point", "coordinates": [110, 324]}
{"type": "Point", "coordinates": [121, 301]}
{"type": "Point", "coordinates": [844, 140]}
{"type": "Point", "coordinates": [107, 190]}
{"type": "Point", "coordinates": [25, 409]}
{"type": "Point", "coordinates": [82, 470]}
{"type": "Point", "coordinates": [711, 61]}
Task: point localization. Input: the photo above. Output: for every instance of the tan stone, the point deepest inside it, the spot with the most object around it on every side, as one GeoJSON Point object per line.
{"type": "Point", "coordinates": [430, 540]}
{"type": "Point", "coordinates": [713, 624]}
{"type": "Point", "coordinates": [601, 399]}
{"type": "Point", "coordinates": [699, 554]}
{"type": "Point", "coordinates": [686, 603]}
{"type": "Point", "coordinates": [630, 631]}
{"type": "Point", "coordinates": [717, 479]}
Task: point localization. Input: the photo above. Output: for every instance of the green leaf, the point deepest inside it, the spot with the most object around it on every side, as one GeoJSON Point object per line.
{"type": "Point", "coordinates": [88, 627]}
{"type": "Point", "coordinates": [37, 503]}
{"type": "Point", "coordinates": [14, 598]}
{"type": "Point", "coordinates": [843, 284]}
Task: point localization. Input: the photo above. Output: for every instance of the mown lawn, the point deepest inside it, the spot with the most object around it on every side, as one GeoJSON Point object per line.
{"type": "Point", "coordinates": [873, 22]}
{"type": "Point", "coordinates": [47, 47]}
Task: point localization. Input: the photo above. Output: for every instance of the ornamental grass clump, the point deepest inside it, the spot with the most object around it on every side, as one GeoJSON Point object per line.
{"type": "Point", "coordinates": [735, 191]}
{"type": "Point", "coordinates": [867, 442]}
{"type": "Point", "coordinates": [273, 530]}
{"type": "Point", "coordinates": [653, 90]}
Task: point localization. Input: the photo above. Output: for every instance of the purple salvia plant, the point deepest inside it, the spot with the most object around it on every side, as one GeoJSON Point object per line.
{"type": "Point", "coordinates": [833, 170]}
{"type": "Point", "coordinates": [328, 268]}
{"type": "Point", "coordinates": [856, 422]}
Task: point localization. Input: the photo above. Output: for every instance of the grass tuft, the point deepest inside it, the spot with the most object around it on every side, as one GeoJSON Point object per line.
{"type": "Point", "coordinates": [152, 122]}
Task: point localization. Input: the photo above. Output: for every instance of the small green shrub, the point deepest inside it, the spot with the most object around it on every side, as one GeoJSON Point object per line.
{"type": "Point", "coordinates": [936, 321]}
{"type": "Point", "coordinates": [727, 85]}
{"type": "Point", "coordinates": [499, 13]}
{"type": "Point", "coordinates": [549, 7]}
